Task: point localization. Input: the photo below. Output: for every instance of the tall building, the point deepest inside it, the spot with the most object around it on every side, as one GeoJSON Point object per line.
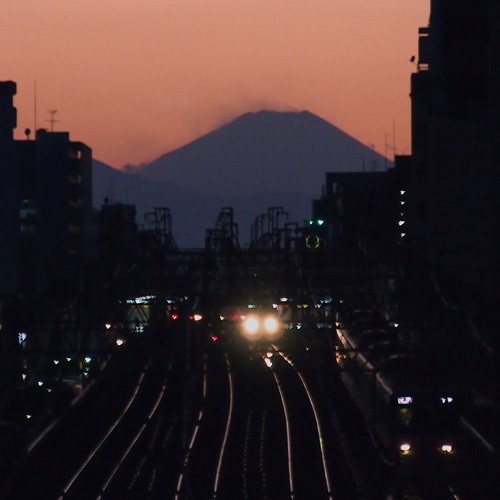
{"type": "Point", "coordinates": [117, 238]}
{"type": "Point", "coordinates": [455, 207]}
{"type": "Point", "coordinates": [359, 210]}
{"type": "Point", "coordinates": [45, 209]}
{"type": "Point", "coordinates": [8, 207]}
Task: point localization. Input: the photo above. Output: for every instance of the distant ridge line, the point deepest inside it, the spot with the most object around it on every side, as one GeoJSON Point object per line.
{"type": "Point", "coordinates": [264, 150]}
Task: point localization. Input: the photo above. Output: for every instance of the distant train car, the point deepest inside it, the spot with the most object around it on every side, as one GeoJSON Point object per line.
{"type": "Point", "coordinates": [262, 325]}
{"type": "Point", "coordinates": [411, 409]}
{"type": "Point", "coordinates": [253, 324]}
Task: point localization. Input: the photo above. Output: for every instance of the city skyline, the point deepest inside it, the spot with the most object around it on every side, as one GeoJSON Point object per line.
{"type": "Point", "coordinates": [134, 80]}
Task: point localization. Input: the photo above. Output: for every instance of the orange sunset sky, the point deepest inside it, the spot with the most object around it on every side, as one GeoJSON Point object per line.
{"type": "Point", "coordinates": [134, 79]}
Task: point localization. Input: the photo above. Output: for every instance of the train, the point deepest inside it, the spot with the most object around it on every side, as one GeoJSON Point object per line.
{"type": "Point", "coordinates": [410, 405]}
{"type": "Point", "coordinates": [255, 324]}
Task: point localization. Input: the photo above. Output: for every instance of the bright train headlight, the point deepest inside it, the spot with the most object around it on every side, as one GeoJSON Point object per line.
{"type": "Point", "coordinates": [251, 326]}
{"type": "Point", "coordinates": [270, 325]}
{"type": "Point", "coordinates": [446, 448]}
{"type": "Point", "coordinates": [405, 448]}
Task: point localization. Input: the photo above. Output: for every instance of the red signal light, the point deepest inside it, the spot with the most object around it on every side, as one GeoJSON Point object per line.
{"type": "Point", "coordinates": [175, 316]}
{"type": "Point", "coordinates": [214, 338]}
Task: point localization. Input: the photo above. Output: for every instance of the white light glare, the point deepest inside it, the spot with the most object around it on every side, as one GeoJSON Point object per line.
{"type": "Point", "coordinates": [119, 342]}
{"type": "Point", "coordinates": [271, 325]}
{"type": "Point", "coordinates": [405, 448]}
{"type": "Point", "coordinates": [446, 399]}
{"type": "Point", "coordinates": [405, 400]}
{"type": "Point", "coordinates": [251, 325]}
{"type": "Point", "coordinates": [446, 448]}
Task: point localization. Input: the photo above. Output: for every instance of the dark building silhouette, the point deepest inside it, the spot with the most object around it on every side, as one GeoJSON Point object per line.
{"type": "Point", "coordinates": [117, 238]}
{"type": "Point", "coordinates": [455, 207]}
{"type": "Point", "coordinates": [45, 210]}
{"type": "Point", "coordinates": [364, 213]}
{"type": "Point", "coordinates": [45, 242]}
{"type": "Point", "coordinates": [9, 211]}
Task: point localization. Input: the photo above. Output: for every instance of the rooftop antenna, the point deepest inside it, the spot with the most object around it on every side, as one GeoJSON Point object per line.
{"type": "Point", "coordinates": [385, 152]}
{"type": "Point", "coordinates": [51, 120]}
{"type": "Point", "coordinates": [394, 138]}
{"type": "Point", "coordinates": [34, 104]}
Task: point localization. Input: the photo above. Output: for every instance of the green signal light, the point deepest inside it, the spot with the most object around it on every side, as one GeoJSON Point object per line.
{"type": "Point", "coordinates": [313, 242]}
{"type": "Point", "coordinates": [317, 222]}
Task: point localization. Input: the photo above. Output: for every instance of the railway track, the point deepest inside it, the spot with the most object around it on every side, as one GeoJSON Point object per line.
{"type": "Point", "coordinates": [243, 422]}
{"type": "Point", "coordinates": [271, 437]}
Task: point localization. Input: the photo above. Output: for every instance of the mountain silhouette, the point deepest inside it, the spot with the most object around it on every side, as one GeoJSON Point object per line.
{"type": "Point", "coordinates": [267, 151]}
{"type": "Point", "coordinates": [259, 160]}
